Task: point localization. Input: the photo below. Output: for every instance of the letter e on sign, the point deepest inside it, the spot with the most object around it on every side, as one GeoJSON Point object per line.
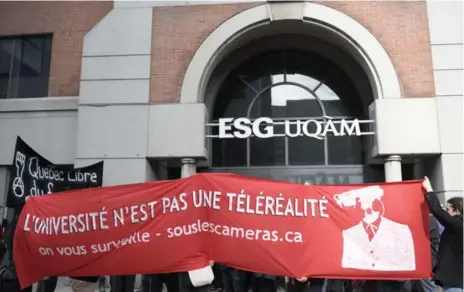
{"type": "Point", "coordinates": [224, 127]}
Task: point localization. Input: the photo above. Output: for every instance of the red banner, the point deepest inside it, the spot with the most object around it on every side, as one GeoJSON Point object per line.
{"type": "Point", "coordinates": [343, 231]}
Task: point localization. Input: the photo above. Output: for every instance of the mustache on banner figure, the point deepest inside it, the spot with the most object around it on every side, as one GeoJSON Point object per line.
{"type": "Point", "coordinates": [375, 243]}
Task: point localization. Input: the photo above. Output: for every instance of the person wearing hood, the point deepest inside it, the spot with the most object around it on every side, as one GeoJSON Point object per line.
{"type": "Point", "coordinates": [448, 271]}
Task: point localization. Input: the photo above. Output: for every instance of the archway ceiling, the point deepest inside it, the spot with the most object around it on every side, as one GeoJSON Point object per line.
{"type": "Point", "coordinates": [281, 39]}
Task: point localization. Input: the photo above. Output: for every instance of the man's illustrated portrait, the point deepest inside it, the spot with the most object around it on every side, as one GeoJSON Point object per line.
{"type": "Point", "coordinates": [376, 242]}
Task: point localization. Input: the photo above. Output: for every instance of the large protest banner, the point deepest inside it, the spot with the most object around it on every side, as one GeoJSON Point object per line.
{"type": "Point", "coordinates": [33, 175]}
{"type": "Point", "coordinates": [343, 231]}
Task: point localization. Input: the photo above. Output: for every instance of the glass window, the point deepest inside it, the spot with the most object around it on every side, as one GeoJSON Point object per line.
{"type": "Point", "coordinates": [231, 152]}
{"type": "Point", "coordinates": [286, 86]}
{"type": "Point", "coordinates": [25, 66]}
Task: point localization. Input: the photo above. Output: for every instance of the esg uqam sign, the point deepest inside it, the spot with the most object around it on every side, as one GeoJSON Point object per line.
{"type": "Point", "coordinates": [265, 127]}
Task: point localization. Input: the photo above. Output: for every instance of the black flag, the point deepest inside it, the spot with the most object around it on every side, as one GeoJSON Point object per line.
{"type": "Point", "coordinates": [33, 175]}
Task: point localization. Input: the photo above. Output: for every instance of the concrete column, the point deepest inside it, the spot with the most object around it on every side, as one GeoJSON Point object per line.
{"type": "Point", "coordinates": [189, 167]}
{"type": "Point", "coordinates": [393, 168]}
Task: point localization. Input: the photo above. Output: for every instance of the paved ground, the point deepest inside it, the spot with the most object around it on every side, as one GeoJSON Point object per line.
{"type": "Point", "coordinates": [63, 285]}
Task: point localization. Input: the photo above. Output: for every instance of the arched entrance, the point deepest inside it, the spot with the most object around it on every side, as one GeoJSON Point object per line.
{"type": "Point", "coordinates": [344, 68]}
{"type": "Point", "coordinates": [287, 79]}
{"type": "Point", "coordinates": [312, 18]}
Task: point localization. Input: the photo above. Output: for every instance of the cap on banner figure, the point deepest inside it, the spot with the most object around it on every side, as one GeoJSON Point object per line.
{"type": "Point", "coordinates": [375, 243]}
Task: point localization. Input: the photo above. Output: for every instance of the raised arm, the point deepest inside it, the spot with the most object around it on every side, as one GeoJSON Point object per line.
{"type": "Point", "coordinates": [445, 219]}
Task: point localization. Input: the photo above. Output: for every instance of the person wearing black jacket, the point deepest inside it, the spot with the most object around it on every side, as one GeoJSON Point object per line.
{"type": "Point", "coordinates": [428, 285]}
{"type": "Point", "coordinates": [9, 280]}
{"type": "Point", "coordinates": [234, 280]}
{"type": "Point", "coordinates": [155, 282]}
{"type": "Point", "coordinates": [122, 283]}
{"type": "Point", "coordinates": [2, 238]}
{"type": "Point", "coordinates": [47, 285]}
{"type": "Point", "coordinates": [448, 271]}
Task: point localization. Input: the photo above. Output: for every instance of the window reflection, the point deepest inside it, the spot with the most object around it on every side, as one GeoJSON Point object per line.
{"type": "Point", "coordinates": [305, 86]}
{"type": "Point", "coordinates": [25, 66]}
{"type": "Point", "coordinates": [229, 152]}
{"type": "Point", "coordinates": [288, 92]}
{"type": "Point", "coordinates": [268, 152]}
{"type": "Point", "coordinates": [305, 150]}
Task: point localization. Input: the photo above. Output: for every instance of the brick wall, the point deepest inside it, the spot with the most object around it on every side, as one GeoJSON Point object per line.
{"type": "Point", "coordinates": [401, 27]}
{"type": "Point", "coordinates": [403, 30]}
{"type": "Point", "coordinates": [177, 33]}
{"type": "Point", "coordinates": [69, 21]}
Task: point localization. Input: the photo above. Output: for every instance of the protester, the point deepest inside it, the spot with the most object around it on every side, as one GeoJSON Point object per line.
{"type": "Point", "coordinates": [233, 280]}
{"type": "Point", "coordinates": [264, 283]}
{"type": "Point", "coordinates": [428, 285]}
{"type": "Point", "coordinates": [390, 286]}
{"type": "Point", "coordinates": [448, 271]}
{"type": "Point", "coordinates": [122, 283]}
{"type": "Point", "coordinates": [145, 285]}
{"type": "Point", "coordinates": [47, 285]}
{"type": "Point", "coordinates": [155, 282]}
{"type": "Point", "coordinates": [9, 280]}
{"type": "Point", "coordinates": [2, 241]}
{"type": "Point", "coordinates": [297, 285]}
{"type": "Point", "coordinates": [102, 284]}
{"type": "Point", "coordinates": [335, 285]}
{"type": "Point", "coordinates": [218, 283]}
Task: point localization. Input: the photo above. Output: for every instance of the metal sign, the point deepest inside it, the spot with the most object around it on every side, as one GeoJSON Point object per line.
{"type": "Point", "coordinates": [265, 127]}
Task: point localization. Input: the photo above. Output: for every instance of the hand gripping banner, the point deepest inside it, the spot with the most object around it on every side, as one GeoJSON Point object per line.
{"type": "Point", "coordinates": [342, 231]}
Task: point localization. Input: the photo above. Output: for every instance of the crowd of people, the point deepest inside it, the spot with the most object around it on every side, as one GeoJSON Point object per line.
{"type": "Point", "coordinates": [446, 245]}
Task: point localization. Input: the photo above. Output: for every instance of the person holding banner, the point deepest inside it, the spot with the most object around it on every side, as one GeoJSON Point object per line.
{"type": "Point", "coordinates": [448, 271]}
{"type": "Point", "coordinates": [122, 283]}
{"type": "Point", "coordinates": [428, 285]}
{"type": "Point", "coordinates": [47, 285]}
{"type": "Point", "coordinates": [2, 242]}
{"type": "Point", "coordinates": [297, 285]}
{"type": "Point", "coordinates": [155, 282]}
{"type": "Point", "coordinates": [8, 278]}
{"type": "Point", "coordinates": [265, 283]}
{"type": "Point", "coordinates": [234, 280]}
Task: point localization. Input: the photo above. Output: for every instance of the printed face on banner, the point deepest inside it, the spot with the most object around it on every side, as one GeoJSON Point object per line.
{"type": "Point", "coordinates": [375, 243]}
{"type": "Point", "coordinates": [33, 175]}
{"type": "Point", "coordinates": [278, 228]}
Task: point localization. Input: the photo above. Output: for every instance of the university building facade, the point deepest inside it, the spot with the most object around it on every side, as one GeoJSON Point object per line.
{"type": "Point", "coordinates": [144, 86]}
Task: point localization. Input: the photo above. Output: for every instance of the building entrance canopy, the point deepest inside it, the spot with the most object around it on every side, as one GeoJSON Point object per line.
{"type": "Point", "coordinates": [287, 85]}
